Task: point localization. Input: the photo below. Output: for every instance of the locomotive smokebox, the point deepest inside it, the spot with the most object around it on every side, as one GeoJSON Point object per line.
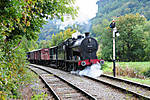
{"type": "Point", "coordinates": [87, 34]}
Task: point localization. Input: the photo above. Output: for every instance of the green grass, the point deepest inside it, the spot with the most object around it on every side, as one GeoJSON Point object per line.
{"type": "Point", "coordinates": [142, 81]}
{"type": "Point", "coordinates": [138, 66]}
{"type": "Point", "coordinates": [130, 70]}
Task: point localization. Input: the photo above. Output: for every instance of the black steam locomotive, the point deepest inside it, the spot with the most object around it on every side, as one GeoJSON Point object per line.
{"type": "Point", "coordinates": [72, 54]}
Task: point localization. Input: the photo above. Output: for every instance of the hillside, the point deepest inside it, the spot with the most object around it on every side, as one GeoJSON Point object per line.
{"type": "Point", "coordinates": [115, 8]}
{"type": "Point", "coordinates": [48, 29]}
{"type": "Point", "coordinates": [109, 9]}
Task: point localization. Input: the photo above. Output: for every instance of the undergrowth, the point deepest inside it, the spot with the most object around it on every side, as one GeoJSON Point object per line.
{"type": "Point", "coordinates": [130, 70]}
{"type": "Point", "coordinates": [12, 71]}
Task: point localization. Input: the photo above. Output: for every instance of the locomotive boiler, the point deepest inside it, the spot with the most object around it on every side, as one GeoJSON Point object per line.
{"type": "Point", "coordinates": [83, 49]}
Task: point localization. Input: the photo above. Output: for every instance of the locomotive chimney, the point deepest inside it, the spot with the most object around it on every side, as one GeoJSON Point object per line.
{"type": "Point", "coordinates": [87, 34]}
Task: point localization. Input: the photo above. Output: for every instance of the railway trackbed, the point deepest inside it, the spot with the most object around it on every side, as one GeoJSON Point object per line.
{"type": "Point", "coordinates": [59, 87]}
{"type": "Point", "coordinates": [137, 89]}
{"type": "Point", "coordinates": [101, 88]}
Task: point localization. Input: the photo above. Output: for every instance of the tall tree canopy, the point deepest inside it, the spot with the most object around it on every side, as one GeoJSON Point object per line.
{"type": "Point", "coordinates": [21, 20]}
{"type": "Point", "coordinates": [56, 39]}
{"type": "Point", "coordinates": [25, 17]}
{"type": "Point", "coordinates": [52, 27]}
{"type": "Point", "coordinates": [131, 43]}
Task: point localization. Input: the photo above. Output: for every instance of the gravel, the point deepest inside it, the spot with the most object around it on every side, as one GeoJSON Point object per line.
{"type": "Point", "coordinates": [56, 84]}
{"type": "Point", "coordinates": [36, 89]}
{"type": "Point", "coordinates": [137, 89]}
{"type": "Point", "coordinates": [100, 91]}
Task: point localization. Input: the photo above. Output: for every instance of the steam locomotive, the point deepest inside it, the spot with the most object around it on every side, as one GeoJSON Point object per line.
{"type": "Point", "coordinates": [73, 54]}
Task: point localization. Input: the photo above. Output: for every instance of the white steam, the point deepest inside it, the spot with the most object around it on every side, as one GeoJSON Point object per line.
{"type": "Point", "coordinates": [91, 71]}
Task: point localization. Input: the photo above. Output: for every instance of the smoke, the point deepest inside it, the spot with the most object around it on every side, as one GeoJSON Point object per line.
{"type": "Point", "coordinates": [88, 26]}
{"type": "Point", "coordinates": [91, 71]}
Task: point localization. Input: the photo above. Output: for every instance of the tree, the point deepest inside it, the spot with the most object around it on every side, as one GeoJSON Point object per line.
{"type": "Point", "coordinates": [53, 26]}
{"type": "Point", "coordinates": [109, 9]}
{"type": "Point", "coordinates": [44, 44]}
{"type": "Point", "coordinates": [25, 17]}
{"type": "Point", "coordinates": [131, 42]}
{"type": "Point", "coordinates": [20, 23]}
{"type": "Point", "coordinates": [99, 28]}
{"type": "Point", "coordinates": [60, 37]}
{"type": "Point", "coordinates": [106, 44]}
{"type": "Point", "coordinates": [146, 32]}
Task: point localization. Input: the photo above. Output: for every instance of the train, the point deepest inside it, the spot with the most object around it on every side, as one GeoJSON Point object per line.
{"type": "Point", "coordinates": [72, 54]}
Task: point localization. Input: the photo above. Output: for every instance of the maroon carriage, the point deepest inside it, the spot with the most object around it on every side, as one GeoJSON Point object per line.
{"type": "Point", "coordinates": [40, 56]}
{"type": "Point", "coordinates": [45, 56]}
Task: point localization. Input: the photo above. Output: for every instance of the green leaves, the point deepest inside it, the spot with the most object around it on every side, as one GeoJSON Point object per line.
{"type": "Point", "coordinates": [130, 28]}
{"type": "Point", "coordinates": [56, 38]}
{"type": "Point", "coordinates": [21, 20]}
{"type": "Point", "coordinates": [27, 15]}
{"type": "Point", "coordinates": [12, 63]}
{"type": "Point", "coordinates": [133, 39]}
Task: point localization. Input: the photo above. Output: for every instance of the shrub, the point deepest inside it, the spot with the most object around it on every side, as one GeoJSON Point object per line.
{"type": "Point", "coordinates": [104, 66]}
{"type": "Point", "coordinates": [12, 71]}
{"type": "Point", "coordinates": [147, 73]}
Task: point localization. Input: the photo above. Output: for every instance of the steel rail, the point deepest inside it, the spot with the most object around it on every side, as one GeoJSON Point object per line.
{"type": "Point", "coordinates": [50, 88]}
{"type": "Point", "coordinates": [126, 81]}
{"type": "Point", "coordinates": [120, 88]}
{"type": "Point", "coordinates": [75, 87]}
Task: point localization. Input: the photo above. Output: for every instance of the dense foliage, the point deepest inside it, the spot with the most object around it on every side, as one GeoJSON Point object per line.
{"type": "Point", "coordinates": [110, 9]}
{"type": "Point", "coordinates": [25, 17]}
{"type": "Point", "coordinates": [56, 38]}
{"type": "Point", "coordinates": [49, 29]}
{"type": "Point", "coordinates": [133, 42]}
{"type": "Point", "coordinates": [114, 8]}
{"type": "Point", "coordinates": [20, 23]}
{"type": "Point", "coordinates": [12, 70]}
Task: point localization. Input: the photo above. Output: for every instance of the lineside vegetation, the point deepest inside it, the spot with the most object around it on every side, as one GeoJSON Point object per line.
{"type": "Point", "coordinates": [20, 24]}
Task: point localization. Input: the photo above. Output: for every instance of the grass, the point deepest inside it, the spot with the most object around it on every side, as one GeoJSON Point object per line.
{"type": "Point", "coordinates": [130, 70]}
{"type": "Point", "coordinates": [136, 65]}
{"type": "Point", "coordinates": [142, 81]}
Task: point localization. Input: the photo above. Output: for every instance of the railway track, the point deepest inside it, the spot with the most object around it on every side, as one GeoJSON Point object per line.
{"type": "Point", "coordinates": [103, 87]}
{"type": "Point", "coordinates": [59, 87]}
{"type": "Point", "coordinates": [137, 89]}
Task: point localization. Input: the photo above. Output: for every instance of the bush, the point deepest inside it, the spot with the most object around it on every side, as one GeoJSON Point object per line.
{"type": "Point", "coordinates": [104, 66]}
{"type": "Point", "coordinates": [147, 73]}
{"type": "Point", "coordinates": [12, 71]}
